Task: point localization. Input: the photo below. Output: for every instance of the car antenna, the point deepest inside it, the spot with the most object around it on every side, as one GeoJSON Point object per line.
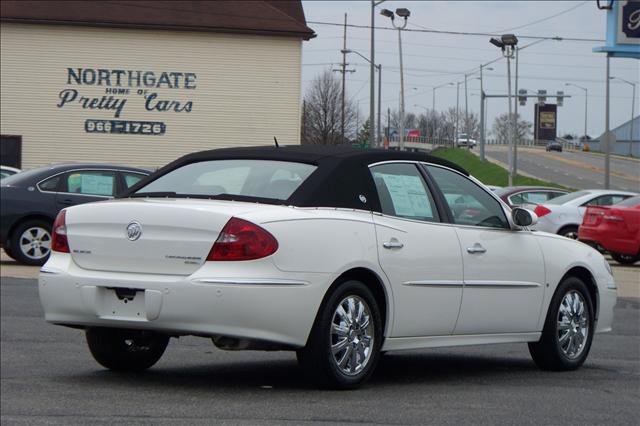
{"type": "Point", "coordinates": [276, 141]}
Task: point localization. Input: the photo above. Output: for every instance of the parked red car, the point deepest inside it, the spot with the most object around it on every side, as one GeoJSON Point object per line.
{"type": "Point", "coordinates": [615, 228]}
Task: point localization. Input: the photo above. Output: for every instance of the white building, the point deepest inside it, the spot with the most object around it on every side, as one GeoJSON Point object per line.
{"type": "Point", "coordinates": [143, 82]}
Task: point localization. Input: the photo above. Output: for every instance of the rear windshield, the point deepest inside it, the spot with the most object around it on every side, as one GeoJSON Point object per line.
{"type": "Point", "coordinates": [18, 178]}
{"type": "Point", "coordinates": [248, 178]}
{"type": "Point", "coordinates": [567, 197]}
{"type": "Point", "coordinates": [629, 202]}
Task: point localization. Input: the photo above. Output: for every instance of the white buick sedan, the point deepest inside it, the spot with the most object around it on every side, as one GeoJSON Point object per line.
{"type": "Point", "coordinates": [339, 254]}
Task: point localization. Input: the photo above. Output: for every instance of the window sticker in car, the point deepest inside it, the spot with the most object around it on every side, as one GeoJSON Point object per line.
{"type": "Point", "coordinates": [96, 185]}
{"type": "Point", "coordinates": [407, 194]}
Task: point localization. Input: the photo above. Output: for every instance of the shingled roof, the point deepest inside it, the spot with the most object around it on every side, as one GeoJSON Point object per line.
{"type": "Point", "coordinates": [279, 18]}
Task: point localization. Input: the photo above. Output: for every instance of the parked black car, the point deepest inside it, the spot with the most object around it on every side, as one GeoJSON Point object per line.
{"type": "Point", "coordinates": [554, 146]}
{"type": "Point", "coordinates": [30, 201]}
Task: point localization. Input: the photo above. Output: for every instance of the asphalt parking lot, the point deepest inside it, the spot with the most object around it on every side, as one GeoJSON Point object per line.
{"type": "Point", "coordinates": [49, 377]}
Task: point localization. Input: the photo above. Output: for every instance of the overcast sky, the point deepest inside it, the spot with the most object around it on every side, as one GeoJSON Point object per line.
{"type": "Point", "coordinates": [434, 59]}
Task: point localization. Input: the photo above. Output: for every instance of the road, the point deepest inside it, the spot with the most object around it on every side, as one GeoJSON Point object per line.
{"type": "Point", "coordinates": [573, 169]}
{"type": "Point", "coordinates": [48, 377]}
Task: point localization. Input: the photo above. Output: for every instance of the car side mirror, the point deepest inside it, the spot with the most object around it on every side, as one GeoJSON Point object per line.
{"type": "Point", "coordinates": [523, 217]}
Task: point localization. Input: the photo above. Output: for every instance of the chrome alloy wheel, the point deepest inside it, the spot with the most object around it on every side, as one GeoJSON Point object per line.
{"type": "Point", "coordinates": [572, 324]}
{"type": "Point", "coordinates": [35, 243]}
{"type": "Point", "coordinates": [352, 335]}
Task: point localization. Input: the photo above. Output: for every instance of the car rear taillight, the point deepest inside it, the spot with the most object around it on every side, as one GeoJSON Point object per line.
{"type": "Point", "coordinates": [541, 210]}
{"type": "Point", "coordinates": [242, 240]}
{"type": "Point", "coordinates": [59, 240]}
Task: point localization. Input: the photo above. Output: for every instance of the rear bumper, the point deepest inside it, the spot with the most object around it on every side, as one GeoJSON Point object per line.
{"type": "Point", "coordinates": [264, 304]}
{"type": "Point", "coordinates": [608, 240]}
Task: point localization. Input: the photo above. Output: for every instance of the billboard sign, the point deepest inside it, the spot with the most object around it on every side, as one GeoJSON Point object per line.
{"type": "Point", "coordinates": [546, 120]}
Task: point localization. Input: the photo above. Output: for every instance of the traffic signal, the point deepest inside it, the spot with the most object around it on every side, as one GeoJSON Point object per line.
{"type": "Point", "coordinates": [542, 96]}
{"type": "Point", "coordinates": [522, 98]}
{"type": "Point", "coordinates": [560, 97]}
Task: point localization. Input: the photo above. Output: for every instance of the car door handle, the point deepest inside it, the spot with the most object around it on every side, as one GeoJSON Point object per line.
{"type": "Point", "coordinates": [477, 248]}
{"type": "Point", "coordinates": [66, 202]}
{"type": "Point", "coordinates": [392, 244]}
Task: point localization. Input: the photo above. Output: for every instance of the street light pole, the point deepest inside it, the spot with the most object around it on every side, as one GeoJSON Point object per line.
{"type": "Point", "coordinates": [372, 141]}
{"type": "Point", "coordinates": [508, 44]}
{"type": "Point", "coordinates": [433, 100]}
{"type": "Point", "coordinates": [633, 104]}
{"type": "Point", "coordinates": [403, 13]}
{"type": "Point", "coordinates": [586, 95]}
{"type": "Point", "coordinates": [510, 124]}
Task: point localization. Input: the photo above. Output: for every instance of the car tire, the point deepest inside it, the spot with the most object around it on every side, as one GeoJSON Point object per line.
{"type": "Point", "coordinates": [625, 259]}
{"type": "Point", "coordinates": [568, 329]}
{"type": "Point", "coordinates": [31, 242]}
{"type": "Point", "coordinates": [569, 231]}
{"type": "Point", "coordinates": [8, 252]}
{"type": "Point", "coordinates": [126, 350]}
{"type": "Point", "coordinates": [342, 353]}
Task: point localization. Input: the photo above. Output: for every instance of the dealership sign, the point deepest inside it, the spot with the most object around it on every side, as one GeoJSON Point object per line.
{"type": "Point", "coordinates": [117, 88]}
{"type": "Point", "coordinates": [623, 30]}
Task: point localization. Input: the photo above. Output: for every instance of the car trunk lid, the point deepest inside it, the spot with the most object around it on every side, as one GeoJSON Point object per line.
{"type": "Point", "coordinates": [594, 214]}
{"type": "Point", "coordinates": [159, 236]}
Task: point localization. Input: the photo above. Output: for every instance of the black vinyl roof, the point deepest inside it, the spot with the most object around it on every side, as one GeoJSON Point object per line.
{"type": "Point", "coordinates": [341, 179]}
{"type": "Point", "coordinates": [313, 154]}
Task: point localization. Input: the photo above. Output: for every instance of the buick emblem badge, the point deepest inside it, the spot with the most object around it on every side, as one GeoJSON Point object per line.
{"type": "Point", "coordinates": [134, 231]}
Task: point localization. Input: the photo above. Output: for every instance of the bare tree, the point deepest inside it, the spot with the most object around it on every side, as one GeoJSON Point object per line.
{"type": "Point", "coordinates": [501, 128]}
{"type": "Point", "coordinates": [322, 112]}
{"type": "Point", "coordinates": [410, 120]}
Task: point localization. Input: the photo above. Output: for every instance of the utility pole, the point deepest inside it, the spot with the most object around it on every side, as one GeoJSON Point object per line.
{"type": "Point", "coordinates": [455, 132]}
{"type": "Point", "coordinates": [343, 70]}
{"type": "Point", "coordinates": [389, 124]}
{"type": "Point", "coordinates": [379, 140]}
{"type": "Point", "coordinates": [516, 134]}
{"type": "Point", "coordinates": [344, 74]}
{"type": "Point", "coordinates": [401, 91]}
{"type": "Point", "coordinates": [607, 131]}
{"type": "Point", "coordinates": [466, 110]}
{"type": "Point", "coordinates": [482, 112]}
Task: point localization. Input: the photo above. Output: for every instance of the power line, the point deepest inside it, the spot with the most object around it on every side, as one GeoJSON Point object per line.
{"type": "Point", "coordinates": [543, 19]}
{"type": "Point", "coordinates": [461, 33]}
{"type": "Point", "coordinates": [465, 59]}
{"type": "Point", "coordinates": [449, 46]}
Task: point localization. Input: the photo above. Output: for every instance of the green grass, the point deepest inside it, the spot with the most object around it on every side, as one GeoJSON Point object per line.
{"type": "Point", "coordinates": [485, 171]}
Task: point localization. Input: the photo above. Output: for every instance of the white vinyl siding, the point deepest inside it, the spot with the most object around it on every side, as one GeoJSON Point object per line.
{"type": "Point", "coordinates": [247, 91]}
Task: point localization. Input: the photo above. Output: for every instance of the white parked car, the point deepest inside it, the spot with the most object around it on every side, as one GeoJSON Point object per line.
{"type": "Point", "coordinates": [338, 254]}
{"type": "Point", "coordinates": [563, 215]}
{"type": "Point", "coordinates": [6, 171]}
